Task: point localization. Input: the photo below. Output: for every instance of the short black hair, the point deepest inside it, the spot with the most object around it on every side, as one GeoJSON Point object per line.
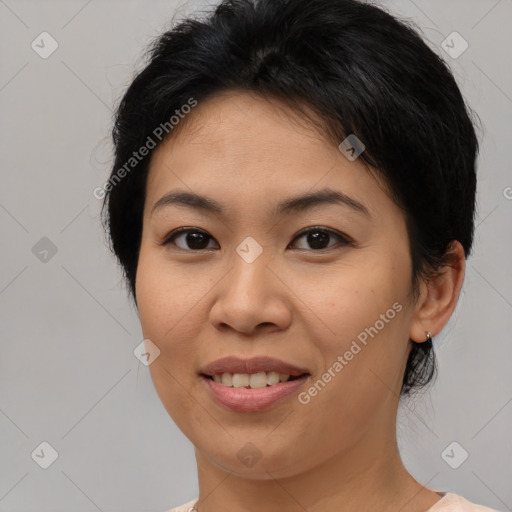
{"type": "Point", "coordinates": [360, 70]}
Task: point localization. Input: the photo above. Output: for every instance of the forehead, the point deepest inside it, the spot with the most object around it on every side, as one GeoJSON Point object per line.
{"type": "Point", "coordinates": [245, 125]}
{"type": "Point", "coordinates": [241, 145]}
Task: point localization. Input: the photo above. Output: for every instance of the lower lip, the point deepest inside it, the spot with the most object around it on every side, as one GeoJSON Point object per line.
{"type": "Point", "coordinates": [251, 400]}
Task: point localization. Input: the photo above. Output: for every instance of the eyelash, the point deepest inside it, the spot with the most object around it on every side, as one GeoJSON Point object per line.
{"type": "Point", "coordinates": [315, 229]}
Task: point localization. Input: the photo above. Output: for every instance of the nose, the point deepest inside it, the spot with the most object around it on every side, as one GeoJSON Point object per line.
{"type": "Point", "coordinates": [251, 298]}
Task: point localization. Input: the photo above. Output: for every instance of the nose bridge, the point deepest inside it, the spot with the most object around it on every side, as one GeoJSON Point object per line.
{"type": "Point", "coordinates": [250, 295]}
{"type": "Point", "coordinates": [250, 273]}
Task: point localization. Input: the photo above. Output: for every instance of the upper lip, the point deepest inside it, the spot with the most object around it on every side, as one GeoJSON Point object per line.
{"type": "Point", "coordinates": [252, 365]}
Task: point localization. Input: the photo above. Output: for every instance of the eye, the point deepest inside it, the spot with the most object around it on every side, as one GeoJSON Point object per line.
{"type": "Point", "coordinates": [192, 238]}
{"type": "Point", "coordinates": [197, 240]}
{"type": "Point", "coordinates": [317, 237]}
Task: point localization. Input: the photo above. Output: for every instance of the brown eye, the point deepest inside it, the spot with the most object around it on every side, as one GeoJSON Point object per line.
{"type": "Point", "coordinates": [190, 239]}
{"type": "Point", "coordinates": [318, 238]}
{"type": "Point", "coordinates": [193, 239]}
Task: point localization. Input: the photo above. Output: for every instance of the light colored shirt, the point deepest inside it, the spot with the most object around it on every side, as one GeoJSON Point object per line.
{"type": "Point", "coordinates": [450, 502]}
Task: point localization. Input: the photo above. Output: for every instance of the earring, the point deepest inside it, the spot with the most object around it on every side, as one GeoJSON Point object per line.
{"type": "Point", "coordinates": [429, 338]}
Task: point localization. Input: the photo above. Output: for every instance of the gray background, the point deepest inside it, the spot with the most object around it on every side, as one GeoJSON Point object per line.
{"type": "Point", "coordinates": [68, 375]}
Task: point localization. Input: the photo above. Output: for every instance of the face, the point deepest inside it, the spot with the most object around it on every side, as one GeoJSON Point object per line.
{"type": "Point", "coordinates": [324, 286]}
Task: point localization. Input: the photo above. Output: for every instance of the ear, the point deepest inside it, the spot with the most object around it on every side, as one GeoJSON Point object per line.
{"type": "Point", "coordinates": [439, 295]}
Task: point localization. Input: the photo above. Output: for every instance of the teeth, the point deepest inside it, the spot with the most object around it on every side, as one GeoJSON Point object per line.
{"type": "Point", "coordinates": [254, 380]}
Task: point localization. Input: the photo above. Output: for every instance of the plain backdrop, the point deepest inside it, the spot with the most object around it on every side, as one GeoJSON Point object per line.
{"type": "Point", "coordinates": [68, 375]}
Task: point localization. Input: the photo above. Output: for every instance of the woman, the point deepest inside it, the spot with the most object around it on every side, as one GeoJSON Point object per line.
{"type": "Point", "coordinates": [292, 203]}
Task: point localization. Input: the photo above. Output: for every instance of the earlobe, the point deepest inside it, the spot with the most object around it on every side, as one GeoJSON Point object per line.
{"type": "Point", "coordinates": [439, 296]}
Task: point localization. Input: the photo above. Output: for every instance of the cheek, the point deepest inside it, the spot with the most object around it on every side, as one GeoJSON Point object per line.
{"type": "Point", "coordinates": [152, 297]}
{"type": "Point", "coordinates": [350, 301]}
{"type": "Point", "coordinates": [167, 318]}
{"type": "Point", "coordinates": [360, 384]}
{"type": "Point", "coordinates": [162, 307]}
{"type": "Point", "coordinates": [361, 332]}
{"type": "Point", "coordinates": [171, 305]}
{"type": "Point", "coordinates": [165, 295]}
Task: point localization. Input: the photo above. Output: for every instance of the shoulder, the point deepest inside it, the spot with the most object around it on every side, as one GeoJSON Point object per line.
{"type": "Point", "coordinates": [186, 507]}
{"type": "Point", "coordinates": [452, 502]}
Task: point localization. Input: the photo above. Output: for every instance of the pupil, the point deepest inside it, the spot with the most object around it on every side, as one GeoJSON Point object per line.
{"type": "Point", "coordinates": [316, 238]}
{"type": "Point", "coordinates": [194, 240]}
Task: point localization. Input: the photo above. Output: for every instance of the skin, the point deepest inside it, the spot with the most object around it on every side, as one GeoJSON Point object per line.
{"type": "Point", "coordinates": [295, 302]}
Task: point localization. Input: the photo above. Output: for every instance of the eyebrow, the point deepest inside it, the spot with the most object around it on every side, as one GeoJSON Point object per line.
{"type": "Point", "coordinates": [291, 205]}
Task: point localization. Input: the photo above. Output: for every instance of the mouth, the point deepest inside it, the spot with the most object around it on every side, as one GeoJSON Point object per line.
{"type": "Point", "coordinates": [255, 380]}
{"type": "Point", "coordinates": [252, 392]}
{"type": "Point", "coordinates": [254, 373]}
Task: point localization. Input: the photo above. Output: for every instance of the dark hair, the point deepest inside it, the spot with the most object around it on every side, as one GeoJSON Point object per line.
{"type": "Point", "coordinates": [360, 71]}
